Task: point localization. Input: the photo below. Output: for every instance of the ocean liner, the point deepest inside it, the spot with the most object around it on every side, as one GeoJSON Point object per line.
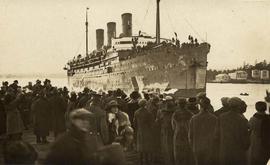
{"type": "Point", "coordinates": [140, 62]}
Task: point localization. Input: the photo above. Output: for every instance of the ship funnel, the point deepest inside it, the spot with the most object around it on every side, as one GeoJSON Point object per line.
{"type": "Point", "coordinates": [127, 24]}
{"type": "Point", "coordinates": [111, 32]}
{"type": "Point", "coordinates": [99, 38]}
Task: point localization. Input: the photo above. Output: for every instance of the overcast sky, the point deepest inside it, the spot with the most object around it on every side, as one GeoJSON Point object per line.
{"type": "Point", "coordinates": [38, 36]}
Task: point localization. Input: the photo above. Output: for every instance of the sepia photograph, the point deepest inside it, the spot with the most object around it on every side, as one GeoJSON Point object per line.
{"type": "Point", "coordinates": [135, 82]}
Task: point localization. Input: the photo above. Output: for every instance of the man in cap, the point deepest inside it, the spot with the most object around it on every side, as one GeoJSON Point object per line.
{"type": "Point", "coordinates": [164, 117]}
{"type": "Point", "coordinates": [202, 135]}
{"type": "Point", "coordinates": [74, 147]}
{"type": "Point", "coordinates": [224, 108]}
{"type": "Point", "coordinates": [233, 135]}
{"type": "Point", "coordinates": [180, 125]}
{"type": "Point", "coordinates": [133, 105]}
{"type": "Point", "coordinates": [99, 125]}
{"type": "Point", "coordinates": [58, 109]}
{"type": "Point", "coordinates": [143, 124]}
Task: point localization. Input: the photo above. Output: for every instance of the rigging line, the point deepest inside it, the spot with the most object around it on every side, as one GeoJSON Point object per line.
{"type": "Point", "coordinates": [194, 30]}
{"type": "Point", "coordinates": [170, 20]}
{"type": "Point", "coordinates": [148, 6]}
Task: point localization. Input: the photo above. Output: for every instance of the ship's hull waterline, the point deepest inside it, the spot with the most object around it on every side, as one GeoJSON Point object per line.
{"type": "Point", "coordinates": [182, 70]}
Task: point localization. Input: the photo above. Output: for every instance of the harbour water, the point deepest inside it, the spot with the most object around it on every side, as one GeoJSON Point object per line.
{"type": "Point", "coordinates": [214, 91]}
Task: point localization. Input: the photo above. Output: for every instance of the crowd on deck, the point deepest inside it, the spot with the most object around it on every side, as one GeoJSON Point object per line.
{"type": "Point", "coordinates": [95, 127]}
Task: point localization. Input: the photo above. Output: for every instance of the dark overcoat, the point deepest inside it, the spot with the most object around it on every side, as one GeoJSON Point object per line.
{"type": "Point", "coordinates": [2, 118]}
{"type": "Point", "coordinates": [58, 109]}
{"type": "Point", "coordinates": [143, 124]}
{"type": "Point", "coordinates": [166, 133]}
{"type": "Point", "coordinates": [99, 122]}
{"type": "Point", "coordinates": [233, 133]}
{"type": "Point", "coordinates": [14, 120]}
{"type": "Point", "coordinates": [41, 116]}
{"type": "Point", "coordinates": [181, 146]}
{"type": "Point", "coordinates": [202, 137]}
{"type": "Point", "coordinates": [259, 153]}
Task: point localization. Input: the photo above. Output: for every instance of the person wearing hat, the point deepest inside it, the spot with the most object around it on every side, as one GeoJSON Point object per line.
{"type": "Point", "coordinates": [233, 135]}
{"type": "Point", "coordinates": [224, 108]}
{"type": "Point", "coordinates": [164, 118]}
{"type": "Point", "coordinates": [117, 120]}
{"type": "Point", "coordinates": [58, 108]}
{"type": "Point", "coordinates": [14, 85]}
{"type": "Point", "coordinates": [192, 106]}
{"type": "Point", "coordinates": [202, 135]}
{"type": "Point", "coordinates": [180, 125]}
{"type": "Point", "coordinates": [99, 121]}
{"type": "Point", "coordinates": [84, 98]}
{"type": "Point", "coordinates": [133, 105]}
{"type": "Point", "coordinates": [143, 125]}
{"type": "Point", "coordinates": [202, 95]}
{"type": "Point", "coordinates": [76, 146]}
{"type": "Point", "coordinates": [259, 151]}
{"type": "Point", "coordinates": [41, 112]}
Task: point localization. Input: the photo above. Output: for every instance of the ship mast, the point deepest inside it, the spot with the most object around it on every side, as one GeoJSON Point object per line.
{"type": "Point", "coordinates": [86, 30]}
{"type": "Point", "coordinates": [157, 25]}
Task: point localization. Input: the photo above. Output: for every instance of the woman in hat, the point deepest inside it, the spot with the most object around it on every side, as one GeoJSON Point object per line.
{"type": "Point", "coordinates": [259, 151]}
{"type": "Point", "coordinates": [117, 120]}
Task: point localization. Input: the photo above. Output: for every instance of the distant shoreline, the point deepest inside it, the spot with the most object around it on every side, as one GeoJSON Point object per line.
{"type": "Point", "coordinates": [35, 75]}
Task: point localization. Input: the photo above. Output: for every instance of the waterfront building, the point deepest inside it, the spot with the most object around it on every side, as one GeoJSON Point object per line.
{"type": "Point", "coordinates": [238, 75]}
{"type": "Point", "coordinates": [222, 78]}
{"type": "Point", "coordinates": [264, 74]}
{"type": "Point", "coordinates": [255, 74]}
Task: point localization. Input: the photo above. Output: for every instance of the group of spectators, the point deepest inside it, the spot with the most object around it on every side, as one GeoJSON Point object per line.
{"type": "Point", "coordinates": [95, 127]}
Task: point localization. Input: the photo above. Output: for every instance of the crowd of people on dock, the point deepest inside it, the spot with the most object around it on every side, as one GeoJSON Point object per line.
{"type": "Point", "coordinates": [95, 127]}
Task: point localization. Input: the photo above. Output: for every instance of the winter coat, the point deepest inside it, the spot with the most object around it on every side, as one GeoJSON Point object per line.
{"type": "Point", "coordinates": [41, 116]}
{"type": "Point", "coordinates": [99, 122]}
{"type": "Point", "coordinates": [166, 133]}
{"type": "Point", "coordinates": [58, 109]}
{"type": "Point", "coordinates": [180, 125]}
{"type": "Point", "coordinates": [221, 111]}
{"type": "Point", "coordinates": [132, 106]}
{"type": "Point", "coordinates": [73, 148]}
{"type": "Point", "coordinates": [116, 124]}
{"type": "Point", "coordinates": [202, 137]}
{"type": "Point", "coordinates": [154, 109]}
{"type": "Point", "coordinates": [14, 120]}
{"type": "Point", "coordinates": [233, 138]}
{"type": "Point", "coordinates": [143, 124]}
{"type": "Point", "coordinates": [3, 118]}
{"type": "Point", "coordinates": [259, 153]}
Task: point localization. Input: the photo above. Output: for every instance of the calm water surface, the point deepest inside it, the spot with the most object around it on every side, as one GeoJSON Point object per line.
{"type": "Point", "coordinates": [214, 91]}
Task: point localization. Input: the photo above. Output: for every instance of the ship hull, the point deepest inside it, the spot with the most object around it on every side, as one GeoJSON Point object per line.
{"type": "Point", "coordinates": [162, 69]}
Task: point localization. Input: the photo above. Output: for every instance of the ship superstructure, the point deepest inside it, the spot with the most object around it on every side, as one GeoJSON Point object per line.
{"type": "Point", "coordinates": [140, 62]}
